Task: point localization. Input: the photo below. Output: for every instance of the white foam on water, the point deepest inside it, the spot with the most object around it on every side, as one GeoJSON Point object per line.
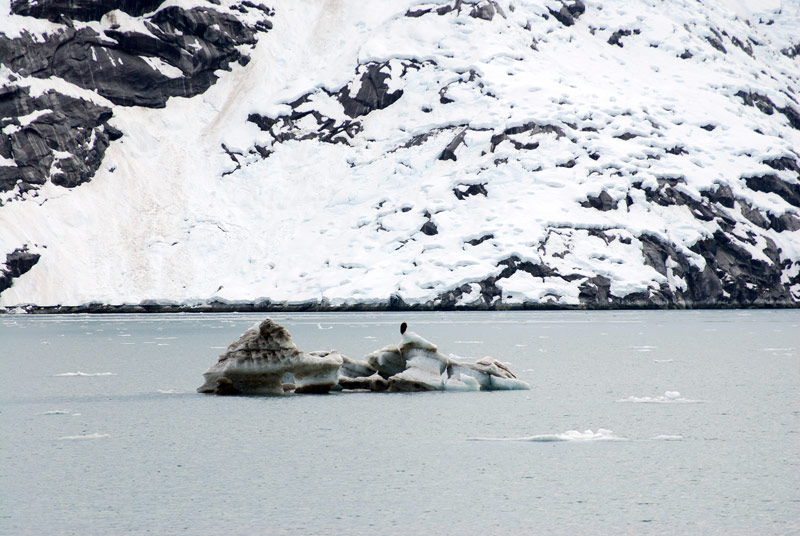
{"type": "Point", "coordinates": [468, 342]}
{"type": "Point", "coordinates": [669, 397]}
{"type": "Point", "coordinates": [668, 438]}
{"type": "Point", "coordinates": [171, 392]}
{"type": "Point", "coordinates": [85, 436]}
{"type": "Point", "coordinates": [571, 435]}
{"type": "Point", "coordinates": [84, 374]}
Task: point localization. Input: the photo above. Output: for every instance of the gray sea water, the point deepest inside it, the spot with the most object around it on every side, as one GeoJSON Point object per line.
{"type": "Point", "coordinates": [638, 422]}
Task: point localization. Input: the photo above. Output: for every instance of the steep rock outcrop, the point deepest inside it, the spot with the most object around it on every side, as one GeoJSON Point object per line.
{"type": "Point", "coordinates": [18, 262]}
{"type": "Point", "coordinates": [175, 54]}
{"type": "Point", "coordinates": [51, 137]}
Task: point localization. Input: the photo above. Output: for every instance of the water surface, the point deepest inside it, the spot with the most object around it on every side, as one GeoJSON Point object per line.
{"type": "Point", "coordinates": [637, 422]}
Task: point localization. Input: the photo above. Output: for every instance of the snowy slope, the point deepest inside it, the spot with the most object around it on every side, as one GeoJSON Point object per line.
{"type": "Point", "coordinates": [473, 154]}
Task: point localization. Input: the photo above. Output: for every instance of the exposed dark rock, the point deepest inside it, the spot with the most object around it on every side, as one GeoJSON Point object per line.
{"type": "Point", "coordinates": [18, 262]}
{"type": "Point", "coordinates": [462, 191]}
{"type": "Point", "coordinates": [766, 106]}
{"type": "Point", "coordinates": [616, 37]}
{"type": "Point", "coordinates": [746, 47]}
{"type": "Point", "coordinates": [677, 150]}
{"type": "Point", "coordinates": [490, 295]}
{"type": "Point", "coordinates": [595, 291]}
{"type": "Point", "coordinates": [284, 128]}
{"type": "Point", "coordinates": [773, 184]}
{"type": "Point", "coordinates": [66, 125]}
{"type": "Point", "coordinates": [731, 275]}
{"type": "Point", "coordinates": [481, 240]}
{"type": "Point", "coordinates": [666, 194]}
{"type": "Point", "coordinates": [784, 163]}
{"type": "Point", "coordinates": [449, 152]}
{"type": "Point", "coordinates": [602, 202]}
{"type": "Point", "coordinates": [754, 215]}
{"type": "Point", "coordinates": [702, 284]}
{"type": "Point", "coordinates": [716, 41]}
{"type": "Point", "coordinates": [373, 92]}
{"type": "Point", "coordinates": [740, 278]}
{"type": "Point", "coordinates": [759, 101]}
{"type": "Point", "coordinates": [84, 10]}
{"type": "Point", "coordinates": [722, 195]}
{"type": "Point", "coordinates": [567, 14]}
{"type": "Point", "coordinates": [792, 51]}
{"type": "Point", "coordinates": [784, 222]}
{"type": "Point", "coordinates": [485, 10]}
{"type": "Point", "coordinates": [685, 55]}
{"type": "Point", "coordinates": [429, 228]}
{"type": "Point", "coordinates": [467, 77]}
{"type": "Point", "coordinates": [197, 42]}
{"type": "Point", "coordinates": [396, 303]}
{"type": "Point", "coordinates": [531, 129]}
{"type": "Point", "coordinates": [414, 13]}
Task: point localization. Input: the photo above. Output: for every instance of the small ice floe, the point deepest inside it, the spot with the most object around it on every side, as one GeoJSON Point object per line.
{"type": "Point", "coordinates": [57, 412]}
{"type": "Point", "coordinates": [85, 436]}
{"type": "Point", "coordinates": [662, 360]}
{"type": "Point", "coordinates": [319, 326]}
{"type": "Point", "coordinates": [644, 348]}
{"type": "Point", "coordinates": [468, 342]}
{"type": "Point", "coordinates": [85, 374]}
{"type": "Point", "coordinates": [668, 438]}
{"type": "Point", "coordinates": [780, 352]}
{"type": "Point", "coordinates": [572, 435]}
{"type": "Point", "coordinates": [170, 392]}
{"type": "Point", "coordinates": [669, 397]}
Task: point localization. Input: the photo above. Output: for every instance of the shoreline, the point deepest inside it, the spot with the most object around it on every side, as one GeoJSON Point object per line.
{"type": "Point", "coordinates": [390, 306]}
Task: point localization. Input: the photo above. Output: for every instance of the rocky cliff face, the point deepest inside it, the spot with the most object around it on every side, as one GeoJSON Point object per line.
{"type": "Point", "coordinates": [479, 154]}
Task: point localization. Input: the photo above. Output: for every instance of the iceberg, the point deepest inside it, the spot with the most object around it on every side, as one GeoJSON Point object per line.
{"type": "Point", "coordinates": [265, 356]}
{"type": "Point", "coordinates": [257, 363]}
{"type": "Point", "coordinates": [417, 365]}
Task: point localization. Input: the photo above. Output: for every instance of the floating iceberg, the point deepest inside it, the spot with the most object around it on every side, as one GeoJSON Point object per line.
{"type": "Point", "coordinates": [265, 355]}
{"type": "Point", "coordinates": [262, 357]}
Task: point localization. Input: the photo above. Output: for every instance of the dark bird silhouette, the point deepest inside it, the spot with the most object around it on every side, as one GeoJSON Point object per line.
{"type": "Point", "coordinates": [403, 328]}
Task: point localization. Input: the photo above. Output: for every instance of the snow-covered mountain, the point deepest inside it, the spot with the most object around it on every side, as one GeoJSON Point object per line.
{"type": "Point", "coordinates": [465, 153]}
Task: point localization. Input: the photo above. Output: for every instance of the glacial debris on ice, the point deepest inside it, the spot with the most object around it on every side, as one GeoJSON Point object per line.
{"type": "Point", "coordinates": [266, 361]}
